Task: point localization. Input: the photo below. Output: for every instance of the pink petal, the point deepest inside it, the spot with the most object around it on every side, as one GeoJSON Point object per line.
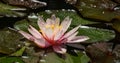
{"type": "Point", "coordinates": [49, 21]}
{"type": "Point", "coordinates": [78, 39]}
{"type": "Point", "coordinates": [59, 49]}
{"type": "Point", "coordinates": [26, 35]}
{"type": "Point", "coordinates": [34, 32]}
{"type": "Point", "coordinates": [71, 32]}
{"type": "Point", "coordinates": [65, 24]}
{"type": "Point", "coordinates": [41, 43]}
{"type": "Point", "coordinates": [41, 22]}
{"type": "Point", "coordinates": [55, 20]}
{"type": "Point", "coordinates": [72, 36]}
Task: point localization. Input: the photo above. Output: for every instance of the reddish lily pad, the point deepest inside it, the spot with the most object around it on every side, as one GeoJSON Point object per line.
{"type": "Point", "coordinates": [100, 53]}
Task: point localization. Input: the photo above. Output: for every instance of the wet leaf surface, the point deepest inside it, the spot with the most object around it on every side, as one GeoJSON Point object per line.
{"type": "Point", "coordinates": [96, 34]}
{"type": "Point", "coordinates": [9, 41]}
{"type": "Point", "coordinates": [33, 4]}
{"type": "Point", "coordinates": [10, 60]}
{"type": "Point", "coordinates": [100, 53]}
{"type": "Point", "coordinates": [98, 9]}
{"type": "Point", "coordinates": [31, 56]}
{"type": "Point", "coordinates": [7, 11]}
{"type": "Point", "coordinates": [81, 58]}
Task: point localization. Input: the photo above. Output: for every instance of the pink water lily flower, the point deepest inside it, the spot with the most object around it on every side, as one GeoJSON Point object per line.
{"type": "Point", "coordinates": [53, 33]}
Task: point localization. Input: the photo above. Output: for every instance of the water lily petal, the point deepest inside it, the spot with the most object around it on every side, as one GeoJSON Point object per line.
{"type": "Point", "coordinates": [41, 43]}
{"type": "Point", "coordinates": [71, 32]}
{"type": "Point", "coordinates": [65, 24]}
{"type": "Point", "coordinates": [56, 20]}
{"type": "Point", "coordinates": [59, 49]}
{"type": "Point", "coordinates": [72, 36]}
{"type": "Point", "coordinates": [78, 39]}
{"type": "Point", "coordinates": [34, 32]}
{"type": "Point", "coordinates": [26, 35]}
{"type": "Point", "coordinates": [49, 21]}
{"type": "Point", "coordinates": [49, 33]}
{"type": "Point", "coordinates": [41, 22]}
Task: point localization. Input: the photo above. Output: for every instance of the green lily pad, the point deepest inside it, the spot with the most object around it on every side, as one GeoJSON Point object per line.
{"type": "Point", "coordinates": [9, 41]}
{"type": "Point", "coordinates": [21, 25]}
{"type": "Point", "coordinates": [7, 11]}
{"type": "Point", "coordinates": [11, 60]}
{"type": "Point", "coordinates": [98, 9]}
{"type": "Point", "coordinates": [31, 56]}
{"type": "Point", "coordinates": [81, 58]}
{"type": "Point", "coordinates": [96, 34]}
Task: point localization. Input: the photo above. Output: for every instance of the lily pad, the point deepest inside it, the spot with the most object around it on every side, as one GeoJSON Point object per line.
{"type": "Point", "coordinates": [96, 34]}
{"type": "Point", "coordinates": [26, 3]}
{"type": "Point", "coordinates": [98, 9]}
{"type": "Point", "coordinates": [10, 41]}
{"type": "Point", "coordinates": [21, 25]}
{"type": "Point", "coordinates": [7, 11]}
{"type": "Point", "coordinates": [100, 53]}
{"type": "Point", "coordinates": [11, 60]}
{"type": "Point", "coordinates": [81, 58]}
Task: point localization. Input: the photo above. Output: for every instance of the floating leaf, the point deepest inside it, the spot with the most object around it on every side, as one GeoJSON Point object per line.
{"type": "Point", "coordinates": [21, 25]}
{"type": "Point", "coordinates": [10, 41]}
{"type": "Point", "coordinates": [10, 60]}
{"type": "Point", "coordinates": [96, 34]}
{"type": "Point", "coordinates": [26, 3]}
{"type": "Point", "coordinates": [98, 9]}
{"type": "Point", "coordinates": [100, 53]}
{"type": "Point", "coordinates": [7, 11]}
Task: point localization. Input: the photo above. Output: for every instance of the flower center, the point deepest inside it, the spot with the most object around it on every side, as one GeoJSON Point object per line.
{"type": "Point", "coordinates": [54, 29]}
{"type": "Point", "coordinates": [53, 26]}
